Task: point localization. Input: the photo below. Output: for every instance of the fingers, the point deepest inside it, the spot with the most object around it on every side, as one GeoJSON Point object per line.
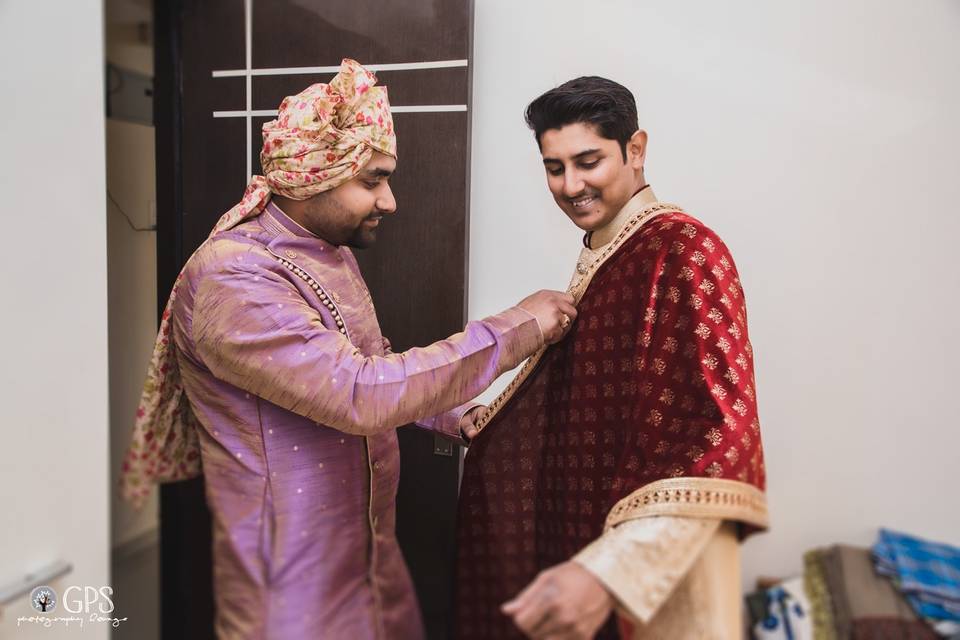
{"type": "Point", "coordinates": [532, 619]}
{"type": "Point", "coordinates": [530, 616]}
{"type": "Point", "coordinates": [568, 312]}
{"type": "Point", "coordinates": [532, 608]}
{"type": "Point", "coordinates": [554, 336]}
{"type": "Point", "coordinates": [523, 599]}
{"type": "Point", "coordinates": [468, 423]}
{"type": "Point", "coordinates": [567, 308]}
{"type": "Point", "coordinates": [557, 627]}
{"type": "Point", "coordinates": [564, 602]}
{"type": "Point", "coordinates": [554, 310]}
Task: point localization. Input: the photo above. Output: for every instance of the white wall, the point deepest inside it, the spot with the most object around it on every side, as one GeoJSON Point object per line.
{"type": "Point", "coordinates": [53, 370]}
{"type": "Point", "coordinates": [132, 278]}
{"type": "Point", "coordinates": [132, 262]}
{"type": "Point", "coordinates": [820, 140]}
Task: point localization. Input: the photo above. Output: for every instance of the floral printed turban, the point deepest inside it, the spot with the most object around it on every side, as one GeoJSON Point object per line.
{"type": "Point", "coordinates": [322, 137]}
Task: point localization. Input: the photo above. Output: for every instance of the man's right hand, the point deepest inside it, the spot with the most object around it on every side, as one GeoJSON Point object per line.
{"type": "Point", "coordinates": [554, 311]}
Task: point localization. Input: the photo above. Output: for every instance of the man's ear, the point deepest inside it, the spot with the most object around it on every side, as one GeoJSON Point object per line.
{"type": "Point", "coordinates": [637, 149]}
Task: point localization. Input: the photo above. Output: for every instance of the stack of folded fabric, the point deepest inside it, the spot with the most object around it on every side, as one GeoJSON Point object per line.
{"type": "Point", "coordinates": [821, 600]}
{"type": "Point", "coordinates": [850, 600]}
{"type": "Point", "coordinates": [926, 573]}
{"type": "Point", "coordinates": [780, 612]}
{"type": "Point", "coordinates": [839, 597]}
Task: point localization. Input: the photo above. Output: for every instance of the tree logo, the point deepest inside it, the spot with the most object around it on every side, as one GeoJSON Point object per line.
{"type": "Point", "coordinates": [43, 599]}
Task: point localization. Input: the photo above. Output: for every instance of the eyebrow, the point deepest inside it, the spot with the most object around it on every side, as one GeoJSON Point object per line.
{"type": "Point", "coordinates": [576, 157]}
{"type": "Point", "coordinates": [378, 173]}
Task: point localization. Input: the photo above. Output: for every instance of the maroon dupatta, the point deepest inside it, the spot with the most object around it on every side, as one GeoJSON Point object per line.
{"type": "Point", "coordinates": [647, 407]}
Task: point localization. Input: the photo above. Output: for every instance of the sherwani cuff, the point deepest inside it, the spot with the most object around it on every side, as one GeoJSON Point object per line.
{"type": "Point", "coordinates": [519, 328]}
{"type": "Point", "coordinates": [518, 331]}
{"type": "Point", "coordinates": [641, 561]}
{"type": "Point", "coordinates": [448, 423]}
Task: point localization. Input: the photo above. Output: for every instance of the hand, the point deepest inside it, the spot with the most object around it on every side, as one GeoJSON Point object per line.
{"type": "Point", "coordinates": [554, 312]}
{"type": "Point", "coordinates": [565, 601]}
{"type": "Point", "coordinates": [468, 422]}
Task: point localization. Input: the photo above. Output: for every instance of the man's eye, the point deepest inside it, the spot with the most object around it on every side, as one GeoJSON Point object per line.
{"type": "Point", "coordinates": [555, 172]}
{"type": "Point", "coordinates": [590, 164]}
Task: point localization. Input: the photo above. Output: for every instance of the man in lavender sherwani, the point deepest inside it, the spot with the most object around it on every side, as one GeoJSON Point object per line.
{"type": "Point", "coordinates": [270, 368]}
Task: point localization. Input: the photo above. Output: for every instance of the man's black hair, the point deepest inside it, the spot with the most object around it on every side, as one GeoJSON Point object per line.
{"type": "Point", "coordinates": [607, 105]}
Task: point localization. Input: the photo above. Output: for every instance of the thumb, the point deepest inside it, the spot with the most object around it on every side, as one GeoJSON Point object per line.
{"type": "Point", "coordinates": [520, 600]}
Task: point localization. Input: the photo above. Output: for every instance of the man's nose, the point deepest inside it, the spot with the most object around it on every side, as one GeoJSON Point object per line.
{"type": "Point", "coordinates": [572, 184]}
{"type": "Point", "coordinates": [386, 203]}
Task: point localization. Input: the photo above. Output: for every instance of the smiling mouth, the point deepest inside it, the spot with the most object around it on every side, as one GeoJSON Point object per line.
{"type": "Point", "coordinates": [582, 202]}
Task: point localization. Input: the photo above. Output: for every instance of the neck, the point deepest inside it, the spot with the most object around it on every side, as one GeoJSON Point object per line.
{"type": "Point", "coordinates": [603, 235]}
{"type": "Point", "coordinates": [295, 211]}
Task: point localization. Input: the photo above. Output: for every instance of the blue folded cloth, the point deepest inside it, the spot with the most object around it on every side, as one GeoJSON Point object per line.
{"type": "Point", "coordinates": [927, 573]}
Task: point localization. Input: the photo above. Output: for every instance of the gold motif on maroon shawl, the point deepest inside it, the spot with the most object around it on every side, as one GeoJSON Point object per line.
{"type": "Point", "coordinates": [648, 406]}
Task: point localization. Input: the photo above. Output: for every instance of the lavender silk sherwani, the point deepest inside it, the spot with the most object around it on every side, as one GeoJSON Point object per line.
{"type": "Point", "coordinates": [298, 435]}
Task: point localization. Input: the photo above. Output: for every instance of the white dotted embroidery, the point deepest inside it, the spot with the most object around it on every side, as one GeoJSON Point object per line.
{"type": "Point", "coordinates": [324, 298]}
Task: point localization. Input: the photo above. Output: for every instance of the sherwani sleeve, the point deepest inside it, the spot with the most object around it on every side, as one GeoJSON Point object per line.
{"type": "Point", "coordinates": [640, 562]}
{"type": "Point", "coordinates": [446, 423]}
{"type": "Point", "coordinates": [252, 329]}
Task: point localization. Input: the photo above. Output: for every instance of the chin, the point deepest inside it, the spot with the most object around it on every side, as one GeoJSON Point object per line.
{"type": "Point", "coordinates": [587, 221]}
{"type": "Point", "coordinates": [363, 240]}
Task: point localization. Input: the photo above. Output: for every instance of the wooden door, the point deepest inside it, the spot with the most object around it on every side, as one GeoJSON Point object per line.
{"type": "Point", "coordinates": [222, 68]}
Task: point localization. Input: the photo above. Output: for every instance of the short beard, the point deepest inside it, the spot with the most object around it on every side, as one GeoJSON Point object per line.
{"type": "Point", "coordinates": [362, 238]}
{"type": "Point", "coordinates": [324, 213]}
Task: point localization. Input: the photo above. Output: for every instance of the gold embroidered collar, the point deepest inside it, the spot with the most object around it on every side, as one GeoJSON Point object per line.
{"type": "Point", "coordinates": [639, 215]}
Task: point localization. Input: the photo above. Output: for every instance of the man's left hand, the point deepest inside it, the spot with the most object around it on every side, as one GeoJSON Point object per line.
{"type": "Point", "coordinates": [468, 422]}
{"type": "Point", "coordinates": [565, 601]}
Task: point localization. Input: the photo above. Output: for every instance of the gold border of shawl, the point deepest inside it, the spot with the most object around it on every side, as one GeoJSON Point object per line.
{"type": "Point", "coordinates": [694, 498]}
{"type": "Point", "coordinates": [631, 226]}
